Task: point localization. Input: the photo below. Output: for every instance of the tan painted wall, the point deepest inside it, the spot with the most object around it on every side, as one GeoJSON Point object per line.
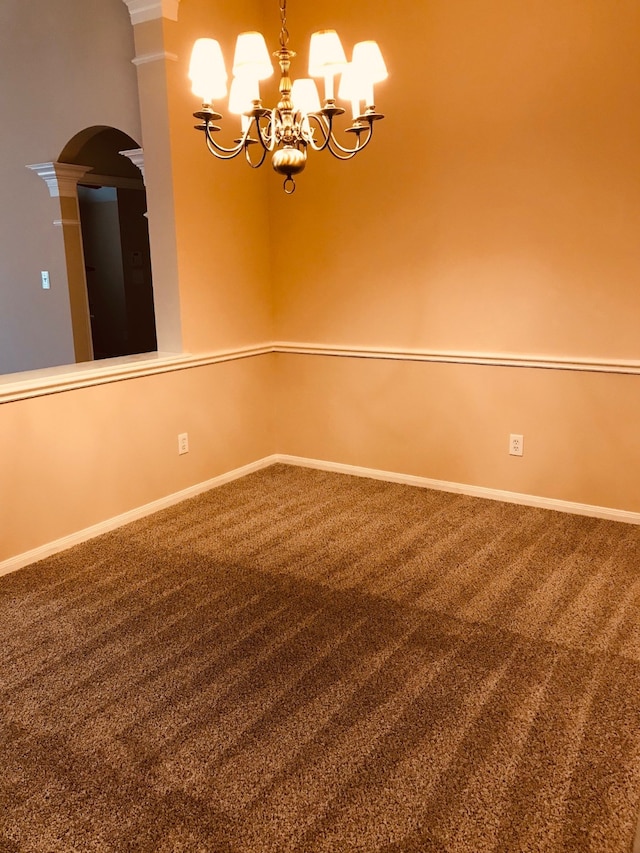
{"type": "Point", "coordinates": [222, 222]}
{"type": "Point", "coordinates": [451, 422]}
{"type": "Point", "coordinates": [499, 207]}
{"type": "Point", "coordinates": [75, 459]}
{"type": "Point", "coordinates": [497, 211]}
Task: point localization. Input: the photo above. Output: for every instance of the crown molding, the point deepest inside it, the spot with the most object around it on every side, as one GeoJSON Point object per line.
{"type": "Point", "coordinates": [152, 10]}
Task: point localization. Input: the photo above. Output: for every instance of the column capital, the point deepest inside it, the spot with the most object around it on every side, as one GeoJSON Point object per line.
{"type": "Point", "coordinates": [151, 10]}
{"type": "Point", "coordinates": [61, 178]}
{"type": "Point", "coordinates": [136, 155]}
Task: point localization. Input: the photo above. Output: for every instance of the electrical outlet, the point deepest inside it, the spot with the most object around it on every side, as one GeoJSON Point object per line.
{"type": "Point", "coordinates": [183, 443]}
{"type": "Point", "coordinates": [516, 445]}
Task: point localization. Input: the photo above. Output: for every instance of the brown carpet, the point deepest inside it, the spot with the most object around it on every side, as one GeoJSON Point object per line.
{"type": "Point", "coordinates": [302, 661]}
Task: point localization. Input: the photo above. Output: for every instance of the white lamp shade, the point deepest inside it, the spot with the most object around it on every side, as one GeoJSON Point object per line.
{"type": "Point", "coordinates": [243, 91]}
{"type": "Point", "coordinates": [326, 54]}
{"type": "Point", "coordinates": [304, 95]}
{"type": "Point", "coordinates": [206, 70]}
{"type": "Point", "coordinates": [351, 87]}
{"type": "Point", "coordinates": [251, 58]}
{"type": "Point", "coordinates": [367, 59]}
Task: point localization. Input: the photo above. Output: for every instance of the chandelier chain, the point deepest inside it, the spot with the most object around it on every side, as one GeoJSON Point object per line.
{"type": "Point", "coordinates": [284, 32]}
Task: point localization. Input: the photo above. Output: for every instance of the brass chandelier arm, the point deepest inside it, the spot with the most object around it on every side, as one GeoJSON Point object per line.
{"type": "Point", "coordinates": [244, 143]}
{"type": "Point", "coordinates": [331, 143]}
{"type": "Point", "coordinates": [219, 151]}
{"type": "Point", "coordinates": [266, 136]}
{"type": "Point", "coordinates": [206, 126]}
{"type": "Point", "coordinates": [341, 153]}
{"type": "Point", "coordinates": [325, 130]}
{"type": "Point", "coordinates": [260, 161]}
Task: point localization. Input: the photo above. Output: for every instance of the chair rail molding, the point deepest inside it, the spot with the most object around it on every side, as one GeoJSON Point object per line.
{"type": "Point", "coordinates": [487, 359]}
{"type": "Point", "coordinates": [151, 10]}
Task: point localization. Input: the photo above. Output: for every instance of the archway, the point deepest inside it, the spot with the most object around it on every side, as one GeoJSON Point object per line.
{"type": "Point", "coordinates": [114, 274]}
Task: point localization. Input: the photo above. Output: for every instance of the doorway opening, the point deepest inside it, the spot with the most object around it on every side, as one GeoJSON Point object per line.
{"type": "Point", "coordinates": [115, 244]}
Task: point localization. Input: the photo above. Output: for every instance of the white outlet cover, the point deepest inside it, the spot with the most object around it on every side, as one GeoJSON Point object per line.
{"type": "Point", "coordinates": [516, 445]}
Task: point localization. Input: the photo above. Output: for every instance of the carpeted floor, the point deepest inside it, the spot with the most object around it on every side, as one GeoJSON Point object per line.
{"type": "Point", "coordinates": [310, 662]}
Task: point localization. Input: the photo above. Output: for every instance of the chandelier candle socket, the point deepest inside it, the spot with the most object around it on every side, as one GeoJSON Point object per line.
{"type": "Point", "coordinates": [300, 121]}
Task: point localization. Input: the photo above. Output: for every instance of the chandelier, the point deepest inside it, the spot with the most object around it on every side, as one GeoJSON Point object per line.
{"type": "Point", "coordinates": [299, 121]}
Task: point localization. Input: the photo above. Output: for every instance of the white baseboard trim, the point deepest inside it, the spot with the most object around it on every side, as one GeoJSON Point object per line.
{"type": "Point", "coordinates": [463, 489]}
{"type": "Point", "coordinates": [51, 548]}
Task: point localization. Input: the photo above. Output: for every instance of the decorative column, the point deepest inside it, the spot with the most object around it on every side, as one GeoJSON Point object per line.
{"type": "Point", "coordinates": [62, 182]}
{"type": "Point", "coordinates": [153, 24]}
